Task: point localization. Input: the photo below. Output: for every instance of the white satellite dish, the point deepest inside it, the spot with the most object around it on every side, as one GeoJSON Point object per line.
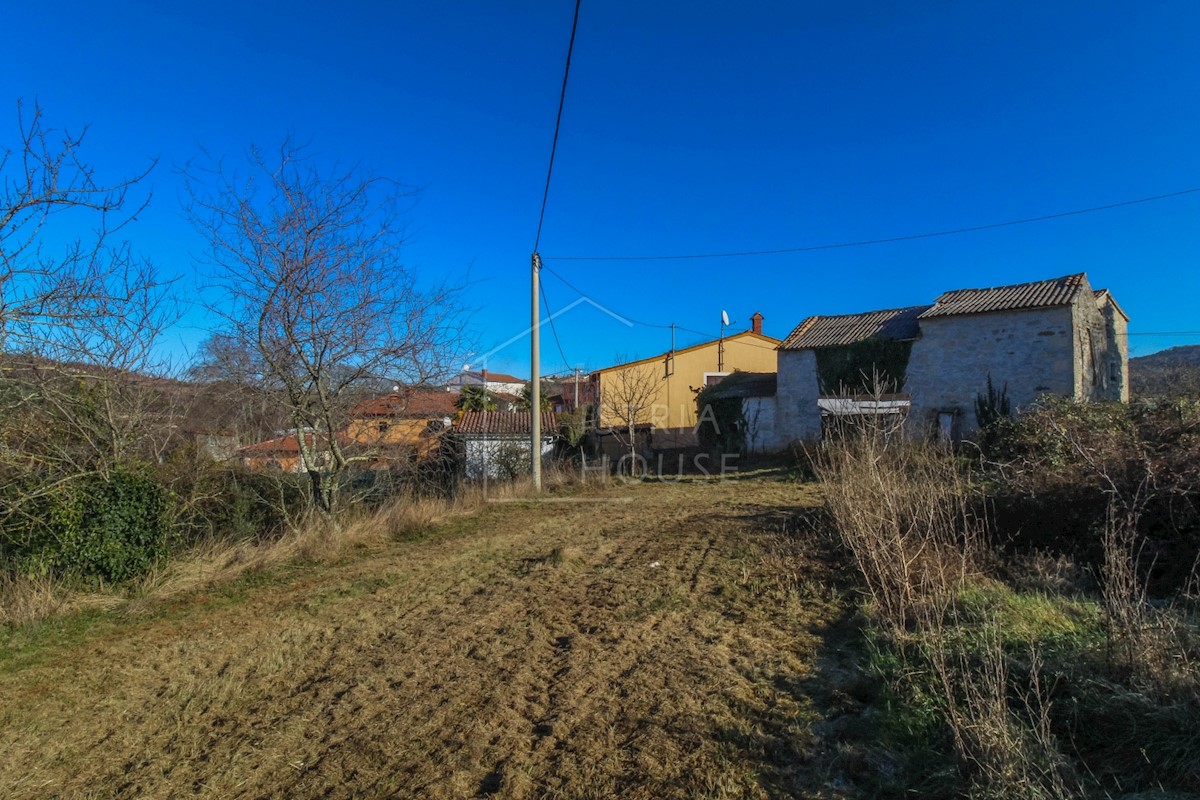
{"type": "Point", "coordinates": [724, 318]}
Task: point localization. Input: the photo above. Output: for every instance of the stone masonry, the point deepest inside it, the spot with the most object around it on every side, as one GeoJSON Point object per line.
{"type": "Point", "coordinates": [1055, 337]}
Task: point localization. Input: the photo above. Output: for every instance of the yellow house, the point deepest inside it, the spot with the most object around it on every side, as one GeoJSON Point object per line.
{"type": "Point", "coordinates": [402, 423]}
{"type": "Point", "coordinates": [661, 390]}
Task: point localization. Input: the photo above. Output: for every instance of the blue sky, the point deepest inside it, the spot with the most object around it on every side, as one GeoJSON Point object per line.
{"type": "Point", "coordinates": [689, 127]}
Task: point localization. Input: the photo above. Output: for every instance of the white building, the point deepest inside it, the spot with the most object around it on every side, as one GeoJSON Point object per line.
{"type": "Point", "coordinates": [496, 444]}
{"type": "Point", "coordinates": [494, 381]}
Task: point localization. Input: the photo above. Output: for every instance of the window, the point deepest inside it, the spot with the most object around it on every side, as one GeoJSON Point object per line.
{"type": "Point", "coordinates": [713, 378]}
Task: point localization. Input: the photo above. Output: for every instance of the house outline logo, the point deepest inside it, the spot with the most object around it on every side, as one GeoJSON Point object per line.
{"type": "Point", "coordinates": [569, 307]}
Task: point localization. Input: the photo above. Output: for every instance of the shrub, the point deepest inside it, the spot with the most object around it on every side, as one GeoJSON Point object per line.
{"type": "Point", "coordinates": [236, 503]}
{"type": "Point", "coordinates": [991, 411]}
{"type": "Point", "coordinates": [722, 425]}
{"type": "Point", "coordinates": [109, 528]}
{"type": "Point", "coordinates": [903, 511]}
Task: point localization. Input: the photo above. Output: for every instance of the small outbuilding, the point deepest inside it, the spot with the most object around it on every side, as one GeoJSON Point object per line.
{"type": "Point", "coordinates": [496, 444]}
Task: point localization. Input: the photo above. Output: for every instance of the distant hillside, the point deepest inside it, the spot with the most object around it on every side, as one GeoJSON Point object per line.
{"type": "Point", "coordinates": [1170, 373]}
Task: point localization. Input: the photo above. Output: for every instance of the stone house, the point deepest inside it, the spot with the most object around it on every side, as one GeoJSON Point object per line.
{"type": "Point", "coordinates": [1051, 337]}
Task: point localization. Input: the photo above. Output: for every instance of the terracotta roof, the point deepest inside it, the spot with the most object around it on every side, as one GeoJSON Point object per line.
{"type": "Point", "coordinates": [284, 445]}
{"type": "Point", "coordinates": [501, 423]}
{"type": "Point", "coordinates": [893, 323]}
{"type": "Point", "coordinates": [1038, 294]}
{"type": "Point", "coordinates": [420, 404]}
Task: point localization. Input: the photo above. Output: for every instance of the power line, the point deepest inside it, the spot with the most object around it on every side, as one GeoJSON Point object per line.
{"type": "Point", "coordinates": [562, 98]}
{"type": "Point", "coordinates": [553, 330]}
{"type": "Point", "coordinates": [708, 336]}
{"type": "Point", "coordinates": [642, 323]}
{"type": "Point", "coordinates": [887, 240]}
{"type": "Point", "coordinates": [582, 293]}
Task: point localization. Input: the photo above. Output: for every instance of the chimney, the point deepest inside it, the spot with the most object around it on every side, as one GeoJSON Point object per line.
{"type": "Point", "coordinates": [756, 323]}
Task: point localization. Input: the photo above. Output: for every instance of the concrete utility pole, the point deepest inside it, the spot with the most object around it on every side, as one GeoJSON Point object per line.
{"type": "Point", "coordinates": [575, 407]}
{"type": "Point", "coordinates": [535, 378]}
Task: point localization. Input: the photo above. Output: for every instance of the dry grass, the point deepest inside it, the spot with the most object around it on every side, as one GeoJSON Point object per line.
{"type": "Point", "coordinates": [28, 600]}
{"type": "Point", "coordinates": [1009, 748]}
{"type": "Point", "coordinates": [587, 647]}
{"type": "Point", "coordinates": [902, 509]}
{"type": "Point", "coordinates": [221, 562]}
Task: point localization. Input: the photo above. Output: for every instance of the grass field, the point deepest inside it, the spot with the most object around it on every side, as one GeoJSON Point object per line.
{"type": "Point", "coordinates": [653, 640]}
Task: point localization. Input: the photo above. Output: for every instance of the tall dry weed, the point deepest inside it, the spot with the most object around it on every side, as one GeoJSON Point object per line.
{"type": "Point", "coordinates": [29, 599]}
{"type": "Point", "coordinates": [25, 599]}
{"type": "Point", "coordinates": [903, 510]}
{"type": "Point", "coordinates": [1005, 742]}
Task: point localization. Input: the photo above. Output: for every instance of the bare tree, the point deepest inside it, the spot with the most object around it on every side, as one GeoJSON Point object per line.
{"type": "Point", "coordinates": [308, 265]}
{"type": "Point", "coordinates": [79, 319]}
{"type": "Point", "coordinates": [627, 397]}
{"type": "Point", "coordinates": [47, 191]}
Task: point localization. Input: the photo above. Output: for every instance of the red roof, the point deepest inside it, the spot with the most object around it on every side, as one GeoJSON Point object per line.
{"type": "Point", "coordinates": [284, 445]}
{"type": "Point", "coordinates": [415, 403]}
{"type": "Point", "coordinates": [501, 423]}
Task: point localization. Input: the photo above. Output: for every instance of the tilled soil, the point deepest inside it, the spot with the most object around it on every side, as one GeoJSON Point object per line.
{"type": "Point", "coordinates": [647, 641]}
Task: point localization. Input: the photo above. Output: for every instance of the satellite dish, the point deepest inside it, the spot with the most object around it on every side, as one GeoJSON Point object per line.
{"type": "Point", "coordinates": [724, 318]}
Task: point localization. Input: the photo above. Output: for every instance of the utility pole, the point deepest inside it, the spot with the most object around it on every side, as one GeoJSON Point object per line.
{"type": "Point", "coordinates": [721, 349]}
{"type": "Point", "coordinates": [487, 446]}
{"type": "Point", "coordinates": [576, 407]}
{"type": "Point", "coordinates": [535, 379]}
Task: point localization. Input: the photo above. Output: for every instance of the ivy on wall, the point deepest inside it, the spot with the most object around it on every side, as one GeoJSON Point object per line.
{"type": "Point", "coordinates": [854, 368]}
{"type": "Point", "coordinates": [722, 424]}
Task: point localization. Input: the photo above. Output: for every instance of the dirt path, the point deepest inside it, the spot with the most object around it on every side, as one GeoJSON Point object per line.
{"type": "Point", "coordinates": [650, 641]}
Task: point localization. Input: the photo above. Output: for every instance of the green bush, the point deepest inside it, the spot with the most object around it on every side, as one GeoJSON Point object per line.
{"type": "Point", "coordinates": [95, 528]}
{"type": "Point", "coordinates": [722, 425]}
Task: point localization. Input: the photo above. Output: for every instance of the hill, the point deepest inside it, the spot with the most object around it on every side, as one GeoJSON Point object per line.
{"type": "Point", "coordinates": [1170, 373]}
{"type": "Point", "coordinates": [1182, 356]}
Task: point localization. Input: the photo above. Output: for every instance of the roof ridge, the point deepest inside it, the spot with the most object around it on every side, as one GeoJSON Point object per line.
{"type": "Point", "coordinates": [1076, 276]}
{"type": "Point", "coordinates": [690, 347]}
{"type": "Point", "coordinates": [1046, 293]}
{"type": "Point", "coordinates": [872, 311]}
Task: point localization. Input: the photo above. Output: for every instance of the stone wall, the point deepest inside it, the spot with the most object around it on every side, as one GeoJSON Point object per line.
{"type": "Point", "coordinates": [796, 413]}
{"type": "Point", "coordinates": [1117, 329]}
{"type": "Point", "coordinates": [1101, 352]}
{"type": "Point", "coordinates": [1031, 351]}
